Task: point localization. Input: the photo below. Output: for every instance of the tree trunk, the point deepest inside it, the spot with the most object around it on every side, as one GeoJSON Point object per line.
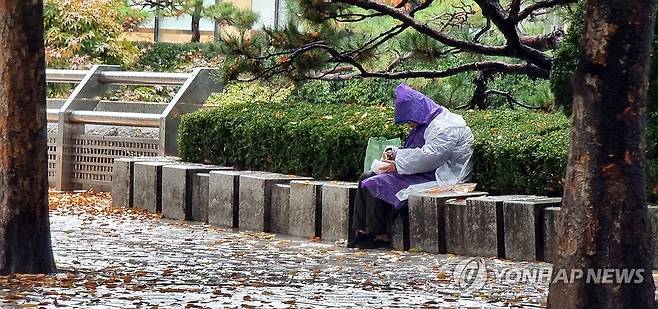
{"type": "Point", "coordinates": [196, 20]}
{"type": "Point", "coordinates": [24, 226]}
{"type": "Point", "coordinates": [604, 215]}
{"type": "Point", "coordinates": [479, 98]}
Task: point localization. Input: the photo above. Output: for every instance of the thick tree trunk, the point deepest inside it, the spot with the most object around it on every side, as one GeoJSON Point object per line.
{"type": "Point", "coordinates": [24, 226]}
{"type": "Point", "coordinates": [196, 20]}
{"type": "Point", "coordinates": [604, 215]}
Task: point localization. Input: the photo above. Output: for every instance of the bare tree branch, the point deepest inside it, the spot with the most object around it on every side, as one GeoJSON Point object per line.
{"type": "Point", "coordinates": [511, 100]}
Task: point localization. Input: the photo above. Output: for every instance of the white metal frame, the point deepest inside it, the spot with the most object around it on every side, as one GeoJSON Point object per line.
{"type": "Point", "coordinates": [80, 108]}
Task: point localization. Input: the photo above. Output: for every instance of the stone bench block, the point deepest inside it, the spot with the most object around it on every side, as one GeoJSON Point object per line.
{"type": "Point", "coordinates": [147, 185]}
{"type": "Point", "coordinates": [178, 187]}
{"type": "Point", "coordinates": [200, 197]}
{"type": "Point", "coordinates": [400, 230]}
{"type": "Point", "coordinates": [653, 228]}
{"type": "Point", "coordinates": [551, 216]}
{"type": "Point", "coordinates": [337, 207]}
{"type": "Point", "coordinates": [255, 200]}
{"type": "Point", "coordinates": [280, 205]}
{"type": "Point", "coordinates": [456, 231]}
{"type": "Point", "coordinates": [223, 198]}
{"type": "Point", "coordinates": [305, 210]}
{"type": "Point", "coordinates": [475, 227]}
{"type": "Point", "coordinates": [524, 228]}
{"type": "Point", "coordinates": [122, 179]}
{"type": "Point", "coordinates": [427, 231]}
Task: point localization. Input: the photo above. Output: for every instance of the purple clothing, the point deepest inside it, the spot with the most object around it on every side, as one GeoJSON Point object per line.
{"type": "Point", "coordinates": [410, 105]}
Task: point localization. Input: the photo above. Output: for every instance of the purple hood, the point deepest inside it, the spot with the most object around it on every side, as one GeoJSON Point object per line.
{"type": "Point", "coordinates": [411, 105]}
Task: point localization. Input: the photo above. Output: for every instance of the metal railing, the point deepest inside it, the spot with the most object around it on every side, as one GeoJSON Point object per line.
{"type": "Point", "coordinates": [76, 159]}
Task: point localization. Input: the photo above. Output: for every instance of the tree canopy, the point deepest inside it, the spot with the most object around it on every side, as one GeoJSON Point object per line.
{"type": "Point", "coordinates": [344, 39]}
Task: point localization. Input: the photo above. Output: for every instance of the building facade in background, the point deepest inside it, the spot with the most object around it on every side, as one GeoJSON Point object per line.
{"type": "Point", "coordinates": [178, 29]}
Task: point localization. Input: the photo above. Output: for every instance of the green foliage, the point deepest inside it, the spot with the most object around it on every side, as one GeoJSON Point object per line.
{"type": "Point", "coordinates": [564, 67]}
{"type": "Point", "coordinates": [516, 151]}
{"type": "Point", "coordinates": [79, 32]}
{"type": "Point", "coordinates": [367, 92]}
{"type": "Point", "coordinates": [253, 93]}
{"type": "Point", "coordinates": [566, 59]}
{"type": "Point", "coordinates": [533, 92]}
{"type": "Point", "coordinates": [227, 14]}
{"type": "Point", "coordinates": [326, 143]}
{"type": "Point", "coordinates": [520, 152]}
{"type": "Point", "coordinates": [177, 57]}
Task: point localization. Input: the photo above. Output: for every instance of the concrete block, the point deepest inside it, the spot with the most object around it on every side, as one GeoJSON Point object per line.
{"type": "Point", "coordinates": [400, 230]}
{"type": "Point", "coordinates": [551, 217]}
{"type": "Point", "coordinates": [147, 185]}
{"type": "Point", "coordinates": [122, 180]}
{"type": "Point", "coordinates": [255, 199]}
{"type": "Point", "coordinates": [475, 227]}
{"type": "Point", "coordinates": [280, 205]}
{"type": "Point", "coordinates": [305, 210]}
{"type": "Point", "coordinates": [223, 198]}
{"type": "Point", "coordinates": [455, 226]}
{"type": "Point", "coordinates": [427, 220]}
{"type": "Point", "coordinates": [337, 207]}
{"type": "Point", "coordinates": [524, 228]}
{"type": "Point", "coordinates": [200, 197]}
{"type": "Point", "coordinates": [177, 188]}
{"type": "Point", "coordinates": [653, 224]}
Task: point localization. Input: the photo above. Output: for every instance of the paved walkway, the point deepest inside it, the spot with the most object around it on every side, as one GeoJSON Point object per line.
{"type": "Point", "coordinates": [126, 259]}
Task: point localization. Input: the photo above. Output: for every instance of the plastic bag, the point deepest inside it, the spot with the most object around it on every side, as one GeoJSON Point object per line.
{"type": "Point", "coordinates": [376, 146]}
{"type": "Point", "coordinates": [378, 167]}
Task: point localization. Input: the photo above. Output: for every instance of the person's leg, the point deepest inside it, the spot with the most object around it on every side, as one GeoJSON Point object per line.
{"type": "Point", "coordinates": [377, 217]}
{"type": "Point", "coordinates": [376, 223]}
{"type": "Point", "coordinates": [359, 213]}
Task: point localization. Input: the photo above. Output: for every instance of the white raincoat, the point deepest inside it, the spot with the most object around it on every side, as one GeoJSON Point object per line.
{"type": "Point", "coordinates": [448, 145]}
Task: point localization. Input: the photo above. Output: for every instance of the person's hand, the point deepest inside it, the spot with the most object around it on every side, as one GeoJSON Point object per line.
{"type": "Point", "coordinates": [390, 168]}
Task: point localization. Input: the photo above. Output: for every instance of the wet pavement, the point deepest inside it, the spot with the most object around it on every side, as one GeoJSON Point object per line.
{"type": "Point", "coordinates": [114, 258]}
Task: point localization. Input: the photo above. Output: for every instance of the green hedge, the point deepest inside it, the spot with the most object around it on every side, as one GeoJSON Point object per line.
{"type": "Point", "coordinates": [326, 143]}
{"type": "Point", "coordinates": [520, 152]}
{"type": "Point", "coordinates": [516, 151]}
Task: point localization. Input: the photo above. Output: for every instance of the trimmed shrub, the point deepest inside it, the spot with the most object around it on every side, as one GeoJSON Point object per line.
{"type": "Point", "coordinates": [516, 151]}
{"type": "Point", "coordinates": [520, 152]}
{"type": "Point", "coordinates": [366, 92]}
{"type": "Point", "coordinates": [326, 143]}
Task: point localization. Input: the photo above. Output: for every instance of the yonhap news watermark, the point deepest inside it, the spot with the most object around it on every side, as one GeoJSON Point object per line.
{"type": "Point", "coordinates": [473, 274]}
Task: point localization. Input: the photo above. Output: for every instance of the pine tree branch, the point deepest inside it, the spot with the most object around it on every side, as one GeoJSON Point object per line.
{"type": "Point", "coordinates": [428, 30]}
{"type": "Point", "coordinates": [532, 9]}
{"type": "Point", "coordinates": [514, 9]}
{"type": "Point", "coordinates": [491, 9]}
{"type": "Point", "coordinates": [380, 39]}
{"type": "Point", "coordinates": [511, 100]}
{"type": "Point", "coordinates": [482, 31]}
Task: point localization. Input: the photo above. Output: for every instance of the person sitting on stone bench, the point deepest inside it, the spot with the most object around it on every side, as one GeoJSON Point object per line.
{"type": "Point", "coordinates": [437, 152]}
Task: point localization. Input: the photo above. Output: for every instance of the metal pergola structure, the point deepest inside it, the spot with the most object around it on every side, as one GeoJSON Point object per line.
{"type": "Point", "coordinates": [76, 159]}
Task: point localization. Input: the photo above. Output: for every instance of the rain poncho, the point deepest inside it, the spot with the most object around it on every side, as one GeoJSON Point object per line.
{"type": "Point", "coordinates": [437, 152]}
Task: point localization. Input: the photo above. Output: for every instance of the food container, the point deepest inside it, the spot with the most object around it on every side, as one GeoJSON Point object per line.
{"type": "Point", "coordinates": [464, 187]}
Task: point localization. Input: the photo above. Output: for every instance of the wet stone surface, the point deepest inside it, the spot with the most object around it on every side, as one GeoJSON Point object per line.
{"type": "Point", "coordinates": [120, 258]}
